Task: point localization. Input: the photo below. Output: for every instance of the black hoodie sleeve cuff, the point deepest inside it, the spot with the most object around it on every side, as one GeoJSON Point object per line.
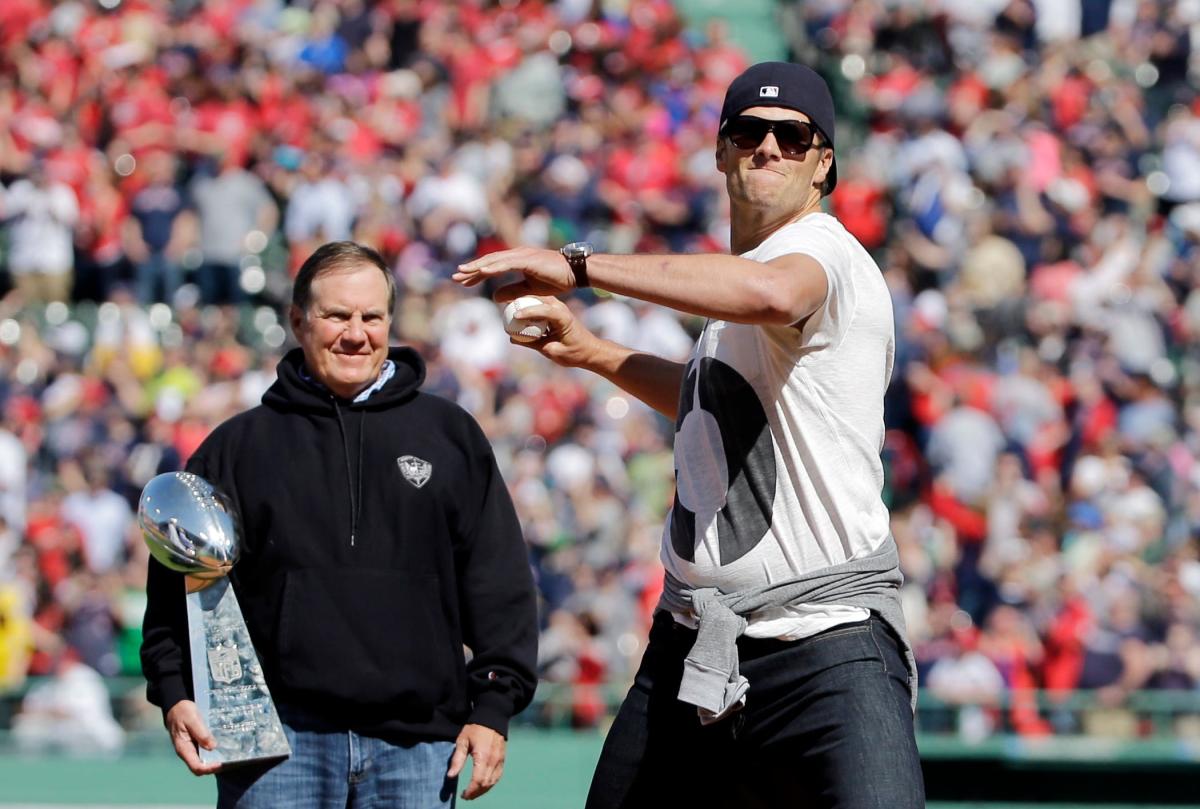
{"type": "Point", "coordinates": [167, 692]}
{"type": "Point", "coordinates": [493, 711]}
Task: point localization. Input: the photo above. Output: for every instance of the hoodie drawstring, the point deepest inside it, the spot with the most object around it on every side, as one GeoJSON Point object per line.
{"type": "Point", "coordinates": [355, 497]}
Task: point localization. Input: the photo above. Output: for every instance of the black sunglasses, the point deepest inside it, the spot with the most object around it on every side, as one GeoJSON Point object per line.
{"type": "Point", "coordinates": [794, 137]}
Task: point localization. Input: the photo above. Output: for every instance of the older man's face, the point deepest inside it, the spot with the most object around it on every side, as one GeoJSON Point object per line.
{"type": "Point", "coordinates": [344, 332]}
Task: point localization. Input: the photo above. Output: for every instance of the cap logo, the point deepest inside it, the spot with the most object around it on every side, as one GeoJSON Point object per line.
{"type": "Point", "coordinates": [768, 91]}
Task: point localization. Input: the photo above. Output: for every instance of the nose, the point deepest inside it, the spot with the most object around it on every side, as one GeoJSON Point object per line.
{"type": "Point", "coordinates": [356, 330]}
{"type": "Point", "coordinates": [769, 147]}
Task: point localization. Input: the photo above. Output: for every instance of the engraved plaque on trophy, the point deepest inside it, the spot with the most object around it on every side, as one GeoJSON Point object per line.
{"type": "Point", "coordinates": [191, 527]}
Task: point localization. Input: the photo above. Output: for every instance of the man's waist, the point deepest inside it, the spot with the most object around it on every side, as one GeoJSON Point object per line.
{"type": "Point", "coordinates": [754, 646]}
{"type": "Point", "coordinates": [788, 623]}
{"type": "Point", "coordinates": [859, 583]}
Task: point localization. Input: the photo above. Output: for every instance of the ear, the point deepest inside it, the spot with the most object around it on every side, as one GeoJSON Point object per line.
{"type": "Point", "coordinates": [722, 149]}
{"type": "Point", "coordinates": [824, 162]}
{"type": "Point", "coordinates": [295, 318]}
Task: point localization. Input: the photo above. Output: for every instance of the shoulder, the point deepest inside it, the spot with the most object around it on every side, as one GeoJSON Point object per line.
{"type": "Point", "coordinates": [239, 427]}
{"type": "Point", "coordinates": [449, 420]}
{"type": "Point", "coordinates": [815, 231]}
{"type": "Point", "coordinates": [820, 226]}
{"type": "Point", "coordinates": [445, 411]}
{"type": "Point", "coordinates": [818, 236]}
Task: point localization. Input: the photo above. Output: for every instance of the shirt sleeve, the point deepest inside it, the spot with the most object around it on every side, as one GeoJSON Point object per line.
{"type": "Point", "coordinates": [498, 602]}
{"type": "Point", "coordinates": [827, 326]}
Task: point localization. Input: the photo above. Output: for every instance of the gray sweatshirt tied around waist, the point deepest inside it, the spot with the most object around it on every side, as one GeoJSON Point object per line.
{"type": "Point", "coordinates": [711, 679]}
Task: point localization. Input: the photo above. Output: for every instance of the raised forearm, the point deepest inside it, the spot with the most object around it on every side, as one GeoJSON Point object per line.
{"type": "Point", "coordinates": [781, 291]}
{"type": "Point", "coordinates": [654, 380]}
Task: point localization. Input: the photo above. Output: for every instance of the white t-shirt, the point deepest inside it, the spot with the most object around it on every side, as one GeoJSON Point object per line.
{"type": "Point", "coordinates": [778, 437]}
{"type": "Point", "coordinates": [42, 233]}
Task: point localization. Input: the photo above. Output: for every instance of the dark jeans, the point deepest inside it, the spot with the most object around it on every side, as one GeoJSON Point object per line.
{"type": "Point", "coordinates": [219, 283]}
{"type": "Point", "coordinates": [827, 723]}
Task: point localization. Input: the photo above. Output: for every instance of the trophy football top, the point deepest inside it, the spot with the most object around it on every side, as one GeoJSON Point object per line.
{"type": "Point", "coordinates": [189, 525]}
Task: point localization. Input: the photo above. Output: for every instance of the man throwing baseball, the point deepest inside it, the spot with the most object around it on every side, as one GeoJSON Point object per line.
{"type": "Point", "coordinates": [778, 672]}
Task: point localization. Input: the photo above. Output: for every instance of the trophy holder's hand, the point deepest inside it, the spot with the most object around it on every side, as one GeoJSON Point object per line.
{"type": "Point", "coordinates": [188, 732]}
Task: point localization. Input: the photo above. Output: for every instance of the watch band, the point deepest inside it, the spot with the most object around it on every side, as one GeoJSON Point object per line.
{"type": "Point", "coordinates": [576, 254]}
{"type": "Point", "coordinates": [578, 266]}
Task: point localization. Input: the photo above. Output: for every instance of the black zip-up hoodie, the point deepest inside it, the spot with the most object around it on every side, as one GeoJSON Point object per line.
{"type": "Point", "coordinates": [379, 537]}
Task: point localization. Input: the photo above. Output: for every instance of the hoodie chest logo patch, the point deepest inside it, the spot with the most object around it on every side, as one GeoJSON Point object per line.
{"type": "Point", "coordinates": [415, 470]}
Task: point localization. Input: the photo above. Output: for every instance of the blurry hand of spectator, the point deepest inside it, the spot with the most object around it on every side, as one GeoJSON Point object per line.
{"type": "Point", "coordinates": [188, 733]}
{"type": "Point", "coordinates": [136, 249]}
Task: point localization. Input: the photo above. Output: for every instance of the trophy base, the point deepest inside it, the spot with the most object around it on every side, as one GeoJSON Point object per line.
{"type": "Point", "coordinates": [227, 679]}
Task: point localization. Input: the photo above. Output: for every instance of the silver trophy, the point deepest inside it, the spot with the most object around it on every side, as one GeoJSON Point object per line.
{"type": "Point", "coordinates": [191, 527]}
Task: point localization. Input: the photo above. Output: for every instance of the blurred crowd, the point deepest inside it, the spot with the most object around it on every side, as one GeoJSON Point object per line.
{"type": "Point", "coordinates": [1026, 173]}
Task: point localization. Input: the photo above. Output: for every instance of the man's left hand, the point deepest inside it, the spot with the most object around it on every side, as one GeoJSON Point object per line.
{"type": "Point", "coordinates": [486, 748]}
{"type": "Point", "coordinates": [545, 272]}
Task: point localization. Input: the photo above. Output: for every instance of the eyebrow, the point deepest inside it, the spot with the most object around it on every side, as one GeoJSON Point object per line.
{"type": "Point", "coordinates": [337, 309]}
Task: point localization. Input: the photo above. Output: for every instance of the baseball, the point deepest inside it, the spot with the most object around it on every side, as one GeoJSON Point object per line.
{"type": "Point", "coordinates": [524, 330]}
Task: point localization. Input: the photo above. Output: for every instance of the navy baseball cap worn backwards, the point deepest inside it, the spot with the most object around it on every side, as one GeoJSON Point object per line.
{"type": "Point", "coordinates": [788, 85]}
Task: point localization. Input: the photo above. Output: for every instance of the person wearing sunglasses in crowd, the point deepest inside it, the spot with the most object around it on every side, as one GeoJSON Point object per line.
{"type": "Point", "coordinates": [778, 671]}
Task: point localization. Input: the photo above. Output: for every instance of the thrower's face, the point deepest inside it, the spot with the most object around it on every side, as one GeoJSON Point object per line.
{"type": "Point", "coordinates": [344, 331]}
{"type": "Point", "coordinates": [767, 177]}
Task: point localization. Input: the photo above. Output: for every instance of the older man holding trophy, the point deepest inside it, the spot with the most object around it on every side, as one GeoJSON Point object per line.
{"type": "Point", "coordinates": [377, 540]}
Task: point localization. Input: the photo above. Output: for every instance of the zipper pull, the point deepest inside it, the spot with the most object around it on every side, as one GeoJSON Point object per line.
{"type": "Point", "coordinates": [351, 540]}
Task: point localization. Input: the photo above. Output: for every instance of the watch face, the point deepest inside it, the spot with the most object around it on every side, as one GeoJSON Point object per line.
{"type": "Point", "coordinates": [577, 250]}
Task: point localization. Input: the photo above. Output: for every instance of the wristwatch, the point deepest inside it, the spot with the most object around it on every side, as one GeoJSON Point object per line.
{"type": "Point", "coordinates": [577, 254]}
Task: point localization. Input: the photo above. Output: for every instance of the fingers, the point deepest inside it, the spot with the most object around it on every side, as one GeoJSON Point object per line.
{"type": "Point", "coordinates": [552, 312]}
{"type": "Point", "coordinates": [487, 767]}
{"type": "Point", "coordinates": [493, 263]}
{"type": "Point", "coordinates": [461, 747]}
{"type": "Point", "coordinates": [187, 731]}
{"type": "Point", "coordinates": [468, 279]}
{"type": "Point", "coordinates": [510, 292]}
{"type": "Point", "coordinates": [185, 748]}
{"type": "Point", "coordinates": [484, 267]}
{"type": "Point", "coordinates": [545, 270]}
{"type": "Point", "coordinates": [487, 750]}
{"type": "Point", "coordinates": [482, 781]}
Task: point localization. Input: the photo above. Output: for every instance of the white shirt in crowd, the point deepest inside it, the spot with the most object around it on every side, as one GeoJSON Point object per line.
{"type": "Point", "coordinates": [322, 209]}
{"type": "Point", "coordinates": [42, 227]}
{"type": "Point", "coordinates": [103, 519]}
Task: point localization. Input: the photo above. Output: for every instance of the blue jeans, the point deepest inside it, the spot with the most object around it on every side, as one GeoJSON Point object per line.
{"type": "Point", "coordinates": [827, 723]}
{"type": "Point", "coordinates": [338, 768]}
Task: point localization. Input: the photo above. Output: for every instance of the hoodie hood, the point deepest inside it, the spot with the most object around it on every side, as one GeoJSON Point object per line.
{"type": "Point", "coordinates": [292, 391]}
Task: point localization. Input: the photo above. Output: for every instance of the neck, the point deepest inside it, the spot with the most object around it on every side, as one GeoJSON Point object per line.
{"type": "Point", "coordinates": [750, 227]}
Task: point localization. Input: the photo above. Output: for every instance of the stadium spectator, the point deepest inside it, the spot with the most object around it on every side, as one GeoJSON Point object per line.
{"type": "Point", "coordinates": [42, 214]}
{"type": "Point", "coordinates": [231, 207]}
{"type": "Point", "coordinates": [158, 231]}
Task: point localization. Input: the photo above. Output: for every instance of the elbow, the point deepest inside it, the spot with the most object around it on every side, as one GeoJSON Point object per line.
{"type": "Point", "coordinates": [776, 300]}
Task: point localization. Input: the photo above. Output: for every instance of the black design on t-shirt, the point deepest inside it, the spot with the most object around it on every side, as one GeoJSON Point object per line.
{"type": "Point", "coordinates": [749, 457]}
